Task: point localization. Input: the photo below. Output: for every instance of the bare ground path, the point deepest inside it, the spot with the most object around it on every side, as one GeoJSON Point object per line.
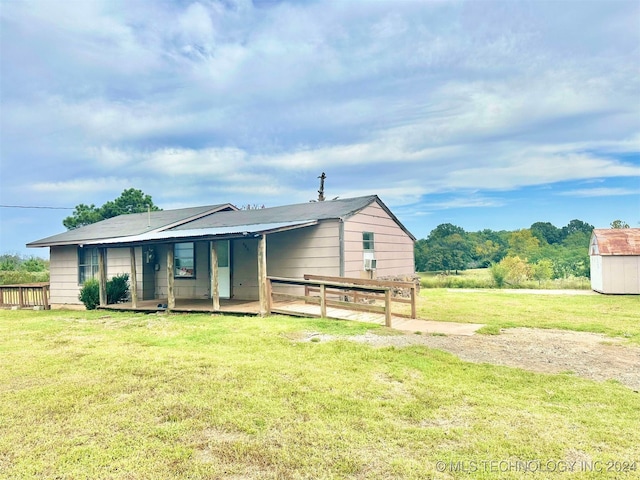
{"type": "Point", "coordinates": [589, 355]}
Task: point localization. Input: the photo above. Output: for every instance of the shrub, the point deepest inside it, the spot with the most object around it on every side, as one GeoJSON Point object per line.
{"type": "Point", "coordinates": [117, 291]}
{"type": "Point", "coordinates": [90, 294]}
{"type": "Point", "coordinates": [118, 288]}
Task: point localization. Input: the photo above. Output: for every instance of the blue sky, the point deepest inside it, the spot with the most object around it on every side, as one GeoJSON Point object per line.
{"type": "Point", "coordinates": [482, 114]}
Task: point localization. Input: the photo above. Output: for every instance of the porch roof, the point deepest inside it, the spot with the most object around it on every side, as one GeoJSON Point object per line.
{"type": "Point", "coordinates": [202, 233]}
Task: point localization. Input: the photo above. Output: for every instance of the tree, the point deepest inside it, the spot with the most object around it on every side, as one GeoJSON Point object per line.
{"type": "Point", "coordinates": [576, 226]}
{"type": "Point", "coordinates": [522, 243]}
{"type": "Point", "coordinates": [446, 248]}
{"type": "Point", "coordinates": [619, 224]}
{"type": "Point", "coordinates": [546, 232]}
{"type": "Point", "coordinates": [130, 201]}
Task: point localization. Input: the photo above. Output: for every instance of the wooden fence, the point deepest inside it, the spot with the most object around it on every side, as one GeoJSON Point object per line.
{"type": "Point", "coordinates": [27, 295]}
{"type": "Point", "coordinates": [344, 293]}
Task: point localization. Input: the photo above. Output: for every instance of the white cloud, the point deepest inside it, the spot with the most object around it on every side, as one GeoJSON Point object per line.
{"type": "Point", "coordinates": [601, 192]}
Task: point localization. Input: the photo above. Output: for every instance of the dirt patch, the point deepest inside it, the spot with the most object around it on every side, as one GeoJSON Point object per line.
{"type": "Point", "coordinates": [589, 355]}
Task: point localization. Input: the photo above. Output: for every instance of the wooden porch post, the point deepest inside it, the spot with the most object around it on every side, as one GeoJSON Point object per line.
{"type": "Point", "coordinates": [171, 297]}
{"type": "Point", "coordinates": [323, 300]}
{"type": "Point", "coordinates": [133, 280]}
{"type": "Point", "coordinates": [102, 277]}
{"type": "Point", "coordinates": [215, 286]}
{"type": "Point", "coordinates": [263, 290]}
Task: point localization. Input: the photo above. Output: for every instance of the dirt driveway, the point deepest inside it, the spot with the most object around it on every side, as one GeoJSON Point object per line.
{"type": "Point", "coordinates": [589, 355]}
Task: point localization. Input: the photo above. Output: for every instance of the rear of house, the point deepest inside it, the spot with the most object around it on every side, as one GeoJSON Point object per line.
{"type": "Point", "coordinates": [615, 260]}
{"type": "Point", "coordinates": [173, 252]}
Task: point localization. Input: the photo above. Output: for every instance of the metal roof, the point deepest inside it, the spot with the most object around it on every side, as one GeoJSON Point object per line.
{"type": "Point", "coordinates": [616, 241]}
{"type": "Point", "coordinates": [127, 225]}
{"type": "Point", "coordinates": [186, 235]}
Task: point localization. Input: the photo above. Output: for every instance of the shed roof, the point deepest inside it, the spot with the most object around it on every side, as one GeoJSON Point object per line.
{"type": "Point", "coordinates": [616, 241]}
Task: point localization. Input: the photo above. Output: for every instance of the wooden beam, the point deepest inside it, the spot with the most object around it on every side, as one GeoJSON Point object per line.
{"type": "Point", "coordinates": [215, 284]}
{"type": "Point", "coordinates": [387, 308]}
{"type": "Point", "coordinates": [263, 290]}
{"type": "Point", "coordinates": [323, 301]}
{"type": "Point", "coordinates": [171, 296]}
{"type": "Point", "coordinates": [102, 277]}
{"type": "Point", "coordinates": [133, 280]}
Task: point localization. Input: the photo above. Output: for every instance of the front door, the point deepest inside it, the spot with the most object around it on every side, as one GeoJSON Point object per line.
{"type": "Point", "coordinates": [224, 269]}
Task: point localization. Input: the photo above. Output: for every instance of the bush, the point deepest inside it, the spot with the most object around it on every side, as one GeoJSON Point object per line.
{"type": "Point", "coordinates": [90, 294]}
{"type": "Point", "coordinates": [117, 291]}
{"type": "Point", "coordinates": [17, 277]}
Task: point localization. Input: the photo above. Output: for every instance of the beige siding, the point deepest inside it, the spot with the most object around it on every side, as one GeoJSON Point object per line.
{"type": "Point", "coordinates": [313, 250]}
{"type": "Point", "coordinates": [392, 246]}
{"type": "Point", "coordinates": [244, 267]}
{"type": "Point", "coordinates": [63, 270]}
{"type": "Point", "coordinates": [198, 287]}
{"type": "Point", "coordinates": [620, 274]}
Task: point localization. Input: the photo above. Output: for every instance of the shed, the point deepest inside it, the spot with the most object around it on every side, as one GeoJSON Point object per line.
{"type": "Point", "coordinates": [615, 260]}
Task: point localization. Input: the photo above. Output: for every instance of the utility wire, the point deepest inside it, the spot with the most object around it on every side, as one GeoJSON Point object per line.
{"type": "Point", "coordinates": [26, 206]}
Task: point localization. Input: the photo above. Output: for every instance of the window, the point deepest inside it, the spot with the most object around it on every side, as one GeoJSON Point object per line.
{"type": "Point", "coordinates": [184, 260]}
{"type": "Point", "coordinates": [367, 241]}
{"type": "Point", "coordinates": [87, 264]}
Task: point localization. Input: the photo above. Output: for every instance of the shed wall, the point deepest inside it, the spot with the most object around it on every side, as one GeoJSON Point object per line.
{"type": "Point", "coordinates": [620, 274]}
{"type": "Point", "coordinates": [392, 246]}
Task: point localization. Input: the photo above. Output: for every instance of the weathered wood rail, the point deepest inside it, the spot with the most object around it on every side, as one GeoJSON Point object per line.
{"type": "Point", "coordinates": [356, 296]}
{"type": "Point", "coordinates": [26, 295]}
{"type": "Point", "coordinates": [337, 292]}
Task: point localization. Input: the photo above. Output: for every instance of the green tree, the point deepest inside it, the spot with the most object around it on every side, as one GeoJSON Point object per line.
{"type": "Point", "coordinates": [130, 201]}
{"type": "Point", "coordinates": [546, 232]}
{"type": "Point", "coordinates": [619, 224]}
{"type": "Point", "coordinates": [576, 226]}
{"type": "Point", "coordinates": [542, 270]}
{"type": "Point", "coordinates": [522, 243]}
{"type": "Point", "coordinates": [447, 248]}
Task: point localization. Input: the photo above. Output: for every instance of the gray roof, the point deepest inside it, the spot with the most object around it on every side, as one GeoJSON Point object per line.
{"type": "Point", "coordinates": [127, 225]}
{"type": "Point", "coordinates": [200, 222]}
{"type": "Point", "coordinates": [300, 212]}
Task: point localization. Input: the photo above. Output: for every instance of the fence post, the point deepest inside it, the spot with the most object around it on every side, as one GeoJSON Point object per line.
{"type": "Point", "coordinates": [45, 296]}
{"type": "Point", "coordinates": [413, 301]}
{"type": "Point", "coordinates": [387, 307]}
{"type": "Point", "coordinates": [20, 297]}
{"type": "Point", "coordinates": [323, 301]}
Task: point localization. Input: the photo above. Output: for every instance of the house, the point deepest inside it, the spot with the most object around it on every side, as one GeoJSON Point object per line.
{"type": "Point", "coordinates": [615, 260]}
{"type": "Point", "coordinates": [219, 252]}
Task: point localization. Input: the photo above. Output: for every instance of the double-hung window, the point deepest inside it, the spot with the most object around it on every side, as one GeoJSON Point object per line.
{"type": "Point", "coordinates": [87, 264]}
{"type": "Point", "coordinates": [367, 241]}
{"type": "Point", "coordinates": [184, 260]}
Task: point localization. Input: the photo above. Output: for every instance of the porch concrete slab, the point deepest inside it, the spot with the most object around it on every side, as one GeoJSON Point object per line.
{"type": "Point", "coordinates": [433, 327]}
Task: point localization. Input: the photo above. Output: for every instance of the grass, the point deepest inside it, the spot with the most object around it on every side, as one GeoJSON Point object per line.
{"type": "Point", "coordinates": [119, 396]}
{"type": "Point", "coordinates": [614, 315]}
{"type": "Point", "coordinates": [481, 278]}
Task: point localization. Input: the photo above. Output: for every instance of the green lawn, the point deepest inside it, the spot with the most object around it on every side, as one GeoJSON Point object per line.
{"type": "Point", "coordinates": [614, 315]}
{"type": "Point", "coordinates": [121, 396]}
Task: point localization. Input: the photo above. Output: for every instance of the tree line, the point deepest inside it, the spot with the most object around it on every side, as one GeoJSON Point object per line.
{"type": "Point", "coordinates": [540, 252]}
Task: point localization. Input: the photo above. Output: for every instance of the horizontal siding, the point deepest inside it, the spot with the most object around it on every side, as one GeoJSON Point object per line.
{"type": "Point", "coordinates": [63, 274]}
{"type": "Point", "coordinates": [310, 250]}
{"type": "Point", "coordinates": [621, 274]}
{"type": "Point", "coordinates": [392, 246]}
{"type": "Point", "coordinates": [198, 287]}
{"type": "Point", "coordinates": [244, 268]}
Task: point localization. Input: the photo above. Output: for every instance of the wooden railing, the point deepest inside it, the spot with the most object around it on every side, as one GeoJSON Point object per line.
{"type": "Point", "coordinates": [27, 295]}
{"type": "Point", "coordinates": [345, 293]}
{"type": "Point", "coordinates": [396, 288]}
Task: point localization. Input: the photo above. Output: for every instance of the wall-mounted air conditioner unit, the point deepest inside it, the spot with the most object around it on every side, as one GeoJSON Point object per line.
{"type": "Point", "coordinates": [370, 263]}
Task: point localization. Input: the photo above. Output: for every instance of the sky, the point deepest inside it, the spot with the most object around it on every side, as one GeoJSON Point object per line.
{"type": "Point", "coordinates": [483, 114]}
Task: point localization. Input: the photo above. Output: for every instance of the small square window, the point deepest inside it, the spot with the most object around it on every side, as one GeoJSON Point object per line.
{"type": "Point", "coordinates": [367, 241]}
{"type": "Point", "coordinates": [184, 260]}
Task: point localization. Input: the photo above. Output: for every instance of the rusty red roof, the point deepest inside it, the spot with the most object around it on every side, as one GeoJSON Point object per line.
{"type": "Point", "coordinates": [615, 241]}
